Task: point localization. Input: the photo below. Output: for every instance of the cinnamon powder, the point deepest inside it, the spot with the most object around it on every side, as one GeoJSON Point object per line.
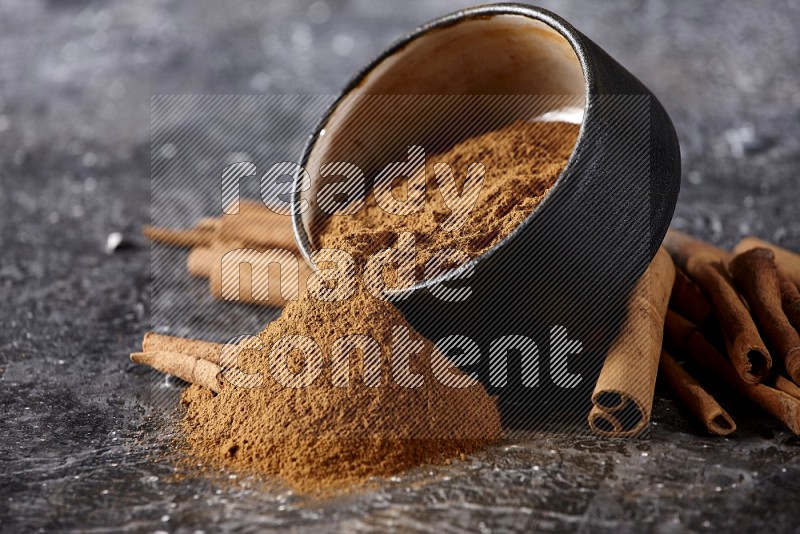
{"type": "Point", "coordinates": [522, 161]}
{"type": "Point", "coordinates": [324, 436]}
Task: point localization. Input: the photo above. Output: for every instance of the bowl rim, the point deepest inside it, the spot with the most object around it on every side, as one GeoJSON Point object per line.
{"type": "Point", "coordinates": [557, 23]}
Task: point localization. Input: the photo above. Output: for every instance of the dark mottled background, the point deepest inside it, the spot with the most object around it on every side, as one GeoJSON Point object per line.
{"type": "Point", "coordinates": [80, 437]}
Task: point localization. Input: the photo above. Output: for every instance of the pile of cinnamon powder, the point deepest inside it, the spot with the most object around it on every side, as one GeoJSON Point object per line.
{"type": "Point", "coordinates": [522, 161]}
{"type": "Point", "coordinates": [324, 436]}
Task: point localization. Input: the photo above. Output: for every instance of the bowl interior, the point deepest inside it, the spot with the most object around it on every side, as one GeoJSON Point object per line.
{"type": "Point", "coordinates": [450, 82]}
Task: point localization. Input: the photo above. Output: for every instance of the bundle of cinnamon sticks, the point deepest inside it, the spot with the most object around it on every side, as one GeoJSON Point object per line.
{"type": "Point", "coordinates": [733, 315]}
{"type": "Point", "coordinates": [254, 227]}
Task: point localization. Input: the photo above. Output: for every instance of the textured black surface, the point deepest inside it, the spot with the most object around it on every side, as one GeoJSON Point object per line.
{"type": "Point", "coordinates": [79, 435]}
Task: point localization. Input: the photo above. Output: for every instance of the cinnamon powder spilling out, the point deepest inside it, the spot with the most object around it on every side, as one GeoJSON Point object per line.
{"type": "Point", "coordinates": [326, 435]}
{"type": "Point", "coordinates": [329, 434]}
{"type": "Point", "coordinates": [522, 162]}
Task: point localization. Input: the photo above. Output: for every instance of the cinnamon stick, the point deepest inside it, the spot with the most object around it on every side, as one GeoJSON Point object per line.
{"type": "Point", "coordinates": [281, 286]}
{"type": "Point", "coordinates": [607, 422]}
{"type": "Point", "coordinates": [689, 300]}
{"type": "Point", "coordinates": [781, 383]}
{"type": "Point", "coordinates": [176, 355]}
{"type": "Point", "coordinates": [188, 368]}
{"type": "Point", "coordinates": [258, 229]}
{"type": "Point", "coordinates": [192, 237]}
{"type": "Point", "coordinates": [697, 400]}
{"type": "Point", "coordinates": [255, 225]}
{"type": "Point", "coordinates": [250, 206]}
{"type": "Point", "coordinates": [207, 223]}
{"type": "Point", "coordinates": [623, 396]}
{"type": "Point", "coordinates": [756, 276]}
{"type": "Point", "coordinates": [744, 345]}
{"type": "Point", "coordinates": [786, 260]}
{"type": "Point", "coordinates": [200, 261]}
{"type": "Point", "coordinates": [687, 338]}
{"type": "Point", "coordinates": [682, 247]}
{"type": "Point", "coordinates": [204, 350]}
{"type": "Point", "coordinates": [790, 299]}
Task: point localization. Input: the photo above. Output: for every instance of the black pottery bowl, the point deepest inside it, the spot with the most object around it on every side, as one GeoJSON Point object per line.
{"type": "Point", "coordinates": [562, 276]}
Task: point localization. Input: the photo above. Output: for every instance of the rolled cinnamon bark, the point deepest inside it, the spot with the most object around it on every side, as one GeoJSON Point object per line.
{"type": "Point", "coordinates": [682, 247]}
{"type": "Point", "coordinates": [623, 396]}
{"type": "Point", "coordinates": [790, 299]}
{"type": "Point", "coordinates": [177, 355]}
{"type": "Point", "coordinates": [193, 370]}
{"type": "Point", "coordinates": [193, 237]}
{"type": "Point", "coordinates": [689, 300]}
{"type": "Point", "coordinates": [252, 282]}
{"type": "Point", "coordinates": [607, 423]}
{"type": "Point", "coordinates": [201, 260]}
{"type": "Point", "coordinates": [687, 338]}
{"type": "Point", "coordinates": [205, 350]}
{"type": "Point", "coordinates": [781, 383]}
{"type": "Point", "coordinates": [744, 345]}
{"type": "Point", "coordinates": [258, 229]}
{"type": "Point", "coordinates": [786, 260]}
{"type": "Point", "coordinates": [756, 276]}
{"type": "Point", "coordinates": [255, 226]}
{"type": "Point", "coordinates": [207, 223]}
{"type": "Point", "coordinates": [249, 206]}
{"type": "Point", "coordinates": [702, 405]}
